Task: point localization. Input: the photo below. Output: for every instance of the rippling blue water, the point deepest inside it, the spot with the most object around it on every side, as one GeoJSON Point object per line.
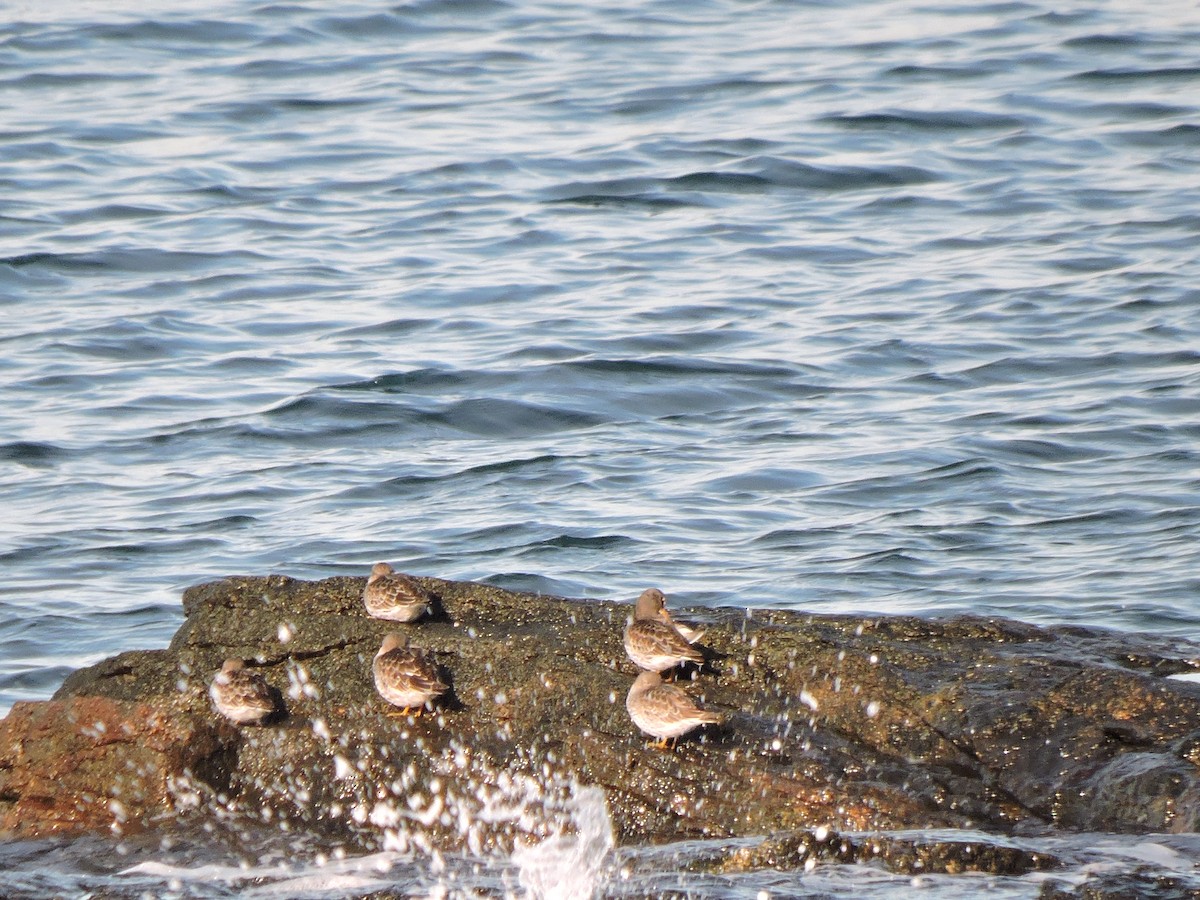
{"type": "Point", "coordinates": [890, 306]}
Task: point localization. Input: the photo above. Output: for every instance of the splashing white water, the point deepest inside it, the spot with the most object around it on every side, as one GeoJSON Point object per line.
{"type": "Point", "coordinates": [569, 866]}
{"type": "Point", "coordinates": [350, 876]}
{"type": "Point", "coordinates": [547, 833]}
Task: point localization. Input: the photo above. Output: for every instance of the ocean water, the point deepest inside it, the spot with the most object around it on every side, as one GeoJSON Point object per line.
{"type": "Point", "coordinates": [886, 306]}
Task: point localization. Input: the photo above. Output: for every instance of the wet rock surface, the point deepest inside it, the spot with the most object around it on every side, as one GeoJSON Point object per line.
{"type": "Point", "coordinates": [848, 722]}
{"type": "Point", "coordinates": [1142, 885]}
{"type": "Point", "coordinates": [901, 854]}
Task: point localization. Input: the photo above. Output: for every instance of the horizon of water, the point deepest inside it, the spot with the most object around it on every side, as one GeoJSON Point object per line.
{"type": "Point", "coordinates": [885, 308]}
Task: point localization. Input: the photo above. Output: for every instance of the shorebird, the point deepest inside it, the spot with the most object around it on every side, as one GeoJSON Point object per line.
{"type": "Point", "coordinates": [664, 711]}
{"type": "Point", "coordinates": [405, 676]}
{"type": "Point", "coordinates": [393, 595]}
{"type": "Point", "coordinates": [241, 695]}
{"type": "Point", "coordinates": [652, 640]}
{"type": "Point", "coordinates": [690, 634]}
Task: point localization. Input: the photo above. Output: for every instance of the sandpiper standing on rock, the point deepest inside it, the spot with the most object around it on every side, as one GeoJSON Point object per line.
{"type": "Point", "coordinates": [652, 640]}
{"type": "Point", "coordinates": [392, 595]}
{"type": "Point", "coordinates": [241, 695]}
{"type": "Point", "coordinates": [405, 676]}
{"type": "Point", "coordinates": [664, 711]}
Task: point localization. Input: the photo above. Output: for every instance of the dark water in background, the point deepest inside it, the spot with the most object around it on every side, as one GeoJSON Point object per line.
{"type": "Point", "coordinates": [889, 307]}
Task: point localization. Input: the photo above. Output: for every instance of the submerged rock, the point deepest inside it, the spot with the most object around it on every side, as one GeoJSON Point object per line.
{"type": "Point", "coordinates": [852, 723]}
{"type": "Point", "coordinates": [1110, 886]}
{"type": "Point", "coordinates": [901, 854]}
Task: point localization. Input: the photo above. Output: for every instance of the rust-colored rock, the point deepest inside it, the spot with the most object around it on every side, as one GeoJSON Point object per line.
{"type": "Point", "coordinates": [85, 763]}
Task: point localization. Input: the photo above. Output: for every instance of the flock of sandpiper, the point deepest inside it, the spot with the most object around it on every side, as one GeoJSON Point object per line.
{"type": "Point", "coordinates": [407, 677]}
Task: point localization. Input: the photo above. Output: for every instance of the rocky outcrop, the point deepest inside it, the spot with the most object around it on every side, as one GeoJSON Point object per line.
{"type": "Point", "coordinates": [850, 722]}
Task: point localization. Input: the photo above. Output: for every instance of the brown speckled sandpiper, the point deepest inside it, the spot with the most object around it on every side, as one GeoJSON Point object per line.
{"type": "Point", "coordinates": [690, 633]}
{"type": "Point", "coordinates": [393, 595]}
{"type": "Point", "coordinates": [652, 640]}
{"type": "Point", "coordinates": [241, 695]}
{"type": "Point", "coordinates": [405, 676]}
{"type": "Point", "coordinates": [664, 711]}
